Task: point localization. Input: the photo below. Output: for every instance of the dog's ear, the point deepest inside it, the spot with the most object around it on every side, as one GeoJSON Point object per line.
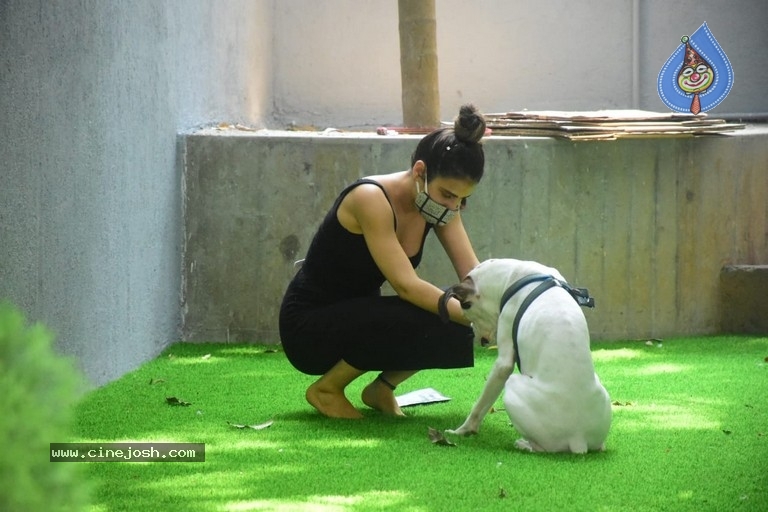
{"type": "Point", "coordinates": [461, 292]}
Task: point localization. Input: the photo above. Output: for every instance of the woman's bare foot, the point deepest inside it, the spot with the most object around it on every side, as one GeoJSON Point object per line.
{"type": "Point", "coordinates": [379, 396]}
{"type": "Point", "coordinates": [331, 403]}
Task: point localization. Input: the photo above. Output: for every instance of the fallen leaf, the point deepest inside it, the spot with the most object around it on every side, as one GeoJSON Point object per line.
{"type": "Point", "coordinates": [206, 356]}
{"type": "Point", "coordinates": [727, 432]}
{"type": "Point", "coordinates": [502, 493]}
{"type": "Point", "coordinates": [155, 381]}
{"type": "Point", "coordinates": [621, 404]}
{"type": "Point", "coordinates": [172, 400]}
{"type": "Point", "coordinates": [262, 426]}
{"type": "Point", "coordinates": [438, 438]}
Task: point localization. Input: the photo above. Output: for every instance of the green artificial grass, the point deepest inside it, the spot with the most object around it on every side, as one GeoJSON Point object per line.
{"type": "Point", "coordinates": [690, 432]}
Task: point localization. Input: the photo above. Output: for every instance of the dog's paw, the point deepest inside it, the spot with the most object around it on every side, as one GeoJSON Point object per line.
{"type": "Point", "coordinates": [524, 445]}
{"type": "Point", "coordinates": [463, 431]}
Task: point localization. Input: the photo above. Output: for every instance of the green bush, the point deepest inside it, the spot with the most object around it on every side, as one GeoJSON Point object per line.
{"type": "Point", "coordinates": [38, 389]}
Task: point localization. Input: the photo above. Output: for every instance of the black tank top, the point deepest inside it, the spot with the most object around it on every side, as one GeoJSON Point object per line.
{"type": "Point", "coordinates": [339, 262]}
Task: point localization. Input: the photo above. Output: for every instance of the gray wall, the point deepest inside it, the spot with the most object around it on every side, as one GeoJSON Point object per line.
{"type": "Point", "coordinates": [337, 61]}
{"type": "Point", "coordinates": [92, 97]}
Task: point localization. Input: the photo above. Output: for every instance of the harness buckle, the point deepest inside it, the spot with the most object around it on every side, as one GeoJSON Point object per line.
{"type": "Point", "coordinates": [582, 297]}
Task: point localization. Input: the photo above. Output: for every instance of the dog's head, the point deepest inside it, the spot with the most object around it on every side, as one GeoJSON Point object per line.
{"type": "Point", "coordinates": [480, 292]}
{"type": "Point", "coordinates": [476, 294]}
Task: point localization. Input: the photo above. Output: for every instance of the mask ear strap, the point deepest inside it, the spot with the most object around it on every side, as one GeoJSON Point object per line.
{"type": "Point", "coordinates": [423, 175]}
{"type": "Point", "coordinates": [418, 188]}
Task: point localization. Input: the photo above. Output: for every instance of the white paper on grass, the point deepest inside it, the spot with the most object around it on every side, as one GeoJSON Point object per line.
{"type": "Point", "coordinates": [421, 397]}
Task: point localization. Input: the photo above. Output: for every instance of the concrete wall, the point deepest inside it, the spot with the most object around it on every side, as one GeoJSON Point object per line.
{"type": "Point", "coordinates": [337, 62]}
{"type": "Point", "coordinates": [645, 224]}
{"type": "Point", "coordinates": [93, 95]}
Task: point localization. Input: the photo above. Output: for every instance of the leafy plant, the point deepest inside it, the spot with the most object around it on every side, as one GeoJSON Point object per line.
{"type": "Point", "coordinates": [39, 389]}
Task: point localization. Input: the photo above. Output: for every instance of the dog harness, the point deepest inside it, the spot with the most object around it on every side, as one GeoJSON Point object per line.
{"type": "Point", "coordinates": [581, 295]}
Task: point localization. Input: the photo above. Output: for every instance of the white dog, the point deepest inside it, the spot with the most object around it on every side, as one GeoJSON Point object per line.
{"type": "Point", "coordinates": [556, 402]}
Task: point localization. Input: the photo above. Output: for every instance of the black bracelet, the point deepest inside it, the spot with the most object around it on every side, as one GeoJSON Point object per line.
{"type": "Point", "coordinates": [386, 382]}
{"type": "Point", "coordinates": [442, 306]}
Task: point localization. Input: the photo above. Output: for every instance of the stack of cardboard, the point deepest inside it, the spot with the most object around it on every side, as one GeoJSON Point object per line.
{"type": "Point", "coordinates": [605, 124]}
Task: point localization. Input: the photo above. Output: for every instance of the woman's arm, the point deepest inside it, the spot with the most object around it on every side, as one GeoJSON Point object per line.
{"type": "Point", "coordinates": [457, 246]}
{"type": "Point", "coordinates": [372, 213]}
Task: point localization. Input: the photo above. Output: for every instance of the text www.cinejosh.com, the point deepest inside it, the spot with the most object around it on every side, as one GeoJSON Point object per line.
{"type": "Point", "coordinates": [127, 452]}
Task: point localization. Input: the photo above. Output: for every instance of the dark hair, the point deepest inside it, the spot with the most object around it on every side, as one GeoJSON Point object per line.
{"type": "Point", "coordinates": [455, 151]}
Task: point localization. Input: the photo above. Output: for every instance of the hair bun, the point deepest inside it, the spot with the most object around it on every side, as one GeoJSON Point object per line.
{"type": "Point", "coordinates": [469, 125]}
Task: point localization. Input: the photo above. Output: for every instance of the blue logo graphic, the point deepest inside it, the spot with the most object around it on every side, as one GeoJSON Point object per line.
{"type": "Point", "coordinates": [697, 76]}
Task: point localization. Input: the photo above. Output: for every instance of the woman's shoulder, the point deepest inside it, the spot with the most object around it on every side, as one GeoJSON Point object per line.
{"type": "Point", "coordinates": [370, 188]}
{"type": "Point", "coordinates": [367, 194]}
{"type": "Point", "coordinates": [365, 199]}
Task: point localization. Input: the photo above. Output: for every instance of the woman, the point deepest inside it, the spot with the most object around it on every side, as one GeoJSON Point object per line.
{"type": "Point", "coordinates": [334, 321]}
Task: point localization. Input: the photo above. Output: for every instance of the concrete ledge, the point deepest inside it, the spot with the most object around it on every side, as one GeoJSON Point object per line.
{"type": "Point", "coordinates": [646, 224]}
{"type": "Point", "coordinates": [744, 292]}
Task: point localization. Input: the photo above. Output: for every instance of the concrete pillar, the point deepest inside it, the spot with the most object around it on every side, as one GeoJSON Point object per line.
{"type": "Point", "coordinates": [418, 63]}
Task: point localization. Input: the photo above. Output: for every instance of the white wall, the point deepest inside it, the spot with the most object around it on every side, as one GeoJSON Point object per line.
{"type": "Point", "coordinates": [337, 61]}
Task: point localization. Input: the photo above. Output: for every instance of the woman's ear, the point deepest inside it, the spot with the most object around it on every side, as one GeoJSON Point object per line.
{"type": "Point", "coordinates": [419, 169]}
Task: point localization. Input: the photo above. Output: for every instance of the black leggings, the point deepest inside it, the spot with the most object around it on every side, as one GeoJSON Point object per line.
{"type": "Point", "coordinates": [370, 333]}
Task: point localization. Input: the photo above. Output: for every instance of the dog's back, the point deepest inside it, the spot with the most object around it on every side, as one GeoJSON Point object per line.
{"type": "Point", "coordinates": [558, 318]}
{"type": "Point", "coordinates": [558, 402]}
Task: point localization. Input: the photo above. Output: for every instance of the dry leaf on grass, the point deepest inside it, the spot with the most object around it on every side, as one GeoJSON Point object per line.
{"type": "Point", "coordinates": [155, 381]}
{"type": "Point", "coordinates": [262, 426]}
{"type": "Point", "coordinates": [438, 438]}
{"type": "Point", "coordinates": [172, 400]}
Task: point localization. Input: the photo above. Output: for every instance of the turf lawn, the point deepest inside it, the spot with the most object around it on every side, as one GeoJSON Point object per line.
{"type": "Point", "coordinates": [689, 432]}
